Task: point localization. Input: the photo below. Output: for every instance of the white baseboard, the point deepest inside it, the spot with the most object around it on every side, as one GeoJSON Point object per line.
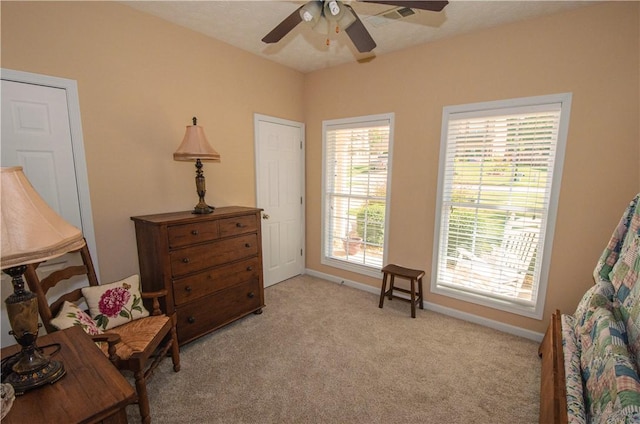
{"type": "Point", "coordinates": [497, 325]}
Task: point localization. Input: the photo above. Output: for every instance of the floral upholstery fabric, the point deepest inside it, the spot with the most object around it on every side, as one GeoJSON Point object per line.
{"type": "Point", "coordinates": [623, 417]}
{"type": "Point", "coordinates": [571, 350]}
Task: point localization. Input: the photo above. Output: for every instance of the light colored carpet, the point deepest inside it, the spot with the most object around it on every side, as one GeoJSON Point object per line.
{"type": "Point", "coordinates": [325, 353]}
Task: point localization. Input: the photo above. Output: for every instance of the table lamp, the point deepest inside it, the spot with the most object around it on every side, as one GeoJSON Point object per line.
{"type": "Point", "coordinates": [31, 232]}
{"type": "Point", "coordinates": [195, 146]}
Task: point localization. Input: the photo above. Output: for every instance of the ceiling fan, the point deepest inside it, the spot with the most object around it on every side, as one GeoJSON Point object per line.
{"type": "Point", "coordinates": [326, 15]}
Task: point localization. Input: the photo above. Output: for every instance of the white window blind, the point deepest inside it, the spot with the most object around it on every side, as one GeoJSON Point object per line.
{"type": "Point", "coordinates": [356, 175]}
{"type": "Point", "coordinates": [498, 171]}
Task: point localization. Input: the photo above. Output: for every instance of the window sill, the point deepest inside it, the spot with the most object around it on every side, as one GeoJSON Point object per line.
{"type": "Point", "coordinates": [527, 309]}
{"type": "Point", "coordinates": [369, 271]}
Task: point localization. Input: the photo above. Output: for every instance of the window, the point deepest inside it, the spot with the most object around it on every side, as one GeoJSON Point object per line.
{"type": "Point", "coordinates": [356, 175]}
{"type": "Point", "coordinates": [500, 171]}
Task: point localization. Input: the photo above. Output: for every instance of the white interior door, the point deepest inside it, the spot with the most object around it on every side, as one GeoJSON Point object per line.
{"type": "Point", "coordinates": [280, 188]}
{"type": "Point", "coordinates": [38, 127]}
{"type": "Point", "coordinates": [36, 136]}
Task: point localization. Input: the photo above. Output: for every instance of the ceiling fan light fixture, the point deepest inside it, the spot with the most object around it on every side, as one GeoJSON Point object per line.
{"type": "Point", "coordinates": [333, 10]}
{"type": "Point", "coordinates": [324, 15]}
{"type": "Point", "coordinates": [311, 12]}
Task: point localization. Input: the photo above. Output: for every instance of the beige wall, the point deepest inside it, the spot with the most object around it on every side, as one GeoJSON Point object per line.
{"type": "Point", "coordinates": [591, 52]}
{"type": "Point", "coordinates": [141, 79]}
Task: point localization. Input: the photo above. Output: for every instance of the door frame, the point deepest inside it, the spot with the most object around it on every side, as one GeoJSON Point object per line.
{"type": "Point", "coordinates": [77, 142]}
{"type": "Point", "coordinates": [266, 118]}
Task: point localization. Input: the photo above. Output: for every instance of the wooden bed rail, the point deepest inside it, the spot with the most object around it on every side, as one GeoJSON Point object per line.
{"type": "Point", "coordinates": [553, 391]}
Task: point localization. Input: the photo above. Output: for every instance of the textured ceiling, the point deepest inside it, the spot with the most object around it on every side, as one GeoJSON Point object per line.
{"type": "Point", "coordinates": [244, 23]}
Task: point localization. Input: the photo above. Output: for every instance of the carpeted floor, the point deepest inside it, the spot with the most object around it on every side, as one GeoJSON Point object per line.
{"type": "Point", "coordinates": [325, 353]}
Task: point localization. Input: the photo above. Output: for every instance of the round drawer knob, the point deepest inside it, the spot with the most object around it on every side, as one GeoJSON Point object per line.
{"type": "Point", "coordinates": [191, 320]}
{"type": "Point", "coordinates": [185, 260]}
{"type": "Point", "coordinates": [247, 245]}
{"type": "Point", "coordinates": [251, 295]}
{"type": "Point", "coordinates": [187, 289]}
{"type": "Point", "coordinates": [194, 232]}
{"type": "Point", "coordinates": [239, 225]}
{"type": "Point", "coordinates": [249, 268]}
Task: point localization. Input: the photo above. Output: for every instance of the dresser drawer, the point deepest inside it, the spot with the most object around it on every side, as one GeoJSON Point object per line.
{"type": "Point", "coordinates": [193, 259]}
{"type": "Point", "coordinates": [187, 234]}
{"type": "Point", "coordinates": [211, 312]}
{"type": "Point", "coordinates": [196, 286]}
{"type": "Point", "coordinates": [238, 225]}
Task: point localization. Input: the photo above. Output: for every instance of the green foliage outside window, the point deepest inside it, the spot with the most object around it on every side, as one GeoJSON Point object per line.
{"type": "Point", "coordinates": [370, 218]}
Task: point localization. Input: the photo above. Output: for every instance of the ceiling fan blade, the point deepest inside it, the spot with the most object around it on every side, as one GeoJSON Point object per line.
{"type": "Point", "coordinates": [284, 27]}
{"type": "Point", "coordinates": [434, 6]}
{"type": "Point", "coordinates": [359, 34]}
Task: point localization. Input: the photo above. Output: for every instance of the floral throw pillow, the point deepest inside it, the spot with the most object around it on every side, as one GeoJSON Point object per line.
{"type": "Point", "coordinates": [70, 315]}
{"type": "Point", "coordinates": [114, 304]}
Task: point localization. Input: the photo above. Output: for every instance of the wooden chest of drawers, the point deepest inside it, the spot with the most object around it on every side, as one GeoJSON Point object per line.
{"type": "Point", "coordinates": [211, 265]}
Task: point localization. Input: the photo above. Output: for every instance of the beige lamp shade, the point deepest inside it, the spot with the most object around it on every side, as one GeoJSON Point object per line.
{"type": "Point", "coordinates": [31, 231]}
{"type": "Point", "coordinates": [195, 146]}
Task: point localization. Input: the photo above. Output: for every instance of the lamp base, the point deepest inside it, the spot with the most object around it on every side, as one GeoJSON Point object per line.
{"type": "Point", "coordinates": [200, 210]}
{"type": "Point", "coordinates": [48, 374]}
{"type": "Point", "coordinates": [201, 207]}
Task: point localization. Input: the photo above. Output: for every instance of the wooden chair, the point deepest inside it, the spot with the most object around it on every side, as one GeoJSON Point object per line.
{"type": "Point", "coordinates": [136, 346]}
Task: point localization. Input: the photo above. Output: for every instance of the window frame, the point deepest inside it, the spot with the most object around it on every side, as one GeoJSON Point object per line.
{"type": "Point", "coordinates": [534, 309]}
{"type": "Point", "coordinates": [369, 270]}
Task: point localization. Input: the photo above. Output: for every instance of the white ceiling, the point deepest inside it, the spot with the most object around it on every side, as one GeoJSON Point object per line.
{"type": "Point", "coordinates": [244, 23]}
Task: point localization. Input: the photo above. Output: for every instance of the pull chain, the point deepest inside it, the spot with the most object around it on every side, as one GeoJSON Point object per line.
{"type": "Point", "coordinates": [337, 32]}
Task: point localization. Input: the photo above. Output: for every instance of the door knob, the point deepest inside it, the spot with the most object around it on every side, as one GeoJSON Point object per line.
{"type": "Point", "coordinates": [265, 216]}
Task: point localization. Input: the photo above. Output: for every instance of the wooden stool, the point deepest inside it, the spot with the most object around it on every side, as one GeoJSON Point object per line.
{"type": "Point", "coordinates": [410, 274]}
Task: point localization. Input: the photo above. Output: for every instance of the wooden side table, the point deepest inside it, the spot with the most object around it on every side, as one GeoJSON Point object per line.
{"type": "Point", "coordinates": [92, 391]}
